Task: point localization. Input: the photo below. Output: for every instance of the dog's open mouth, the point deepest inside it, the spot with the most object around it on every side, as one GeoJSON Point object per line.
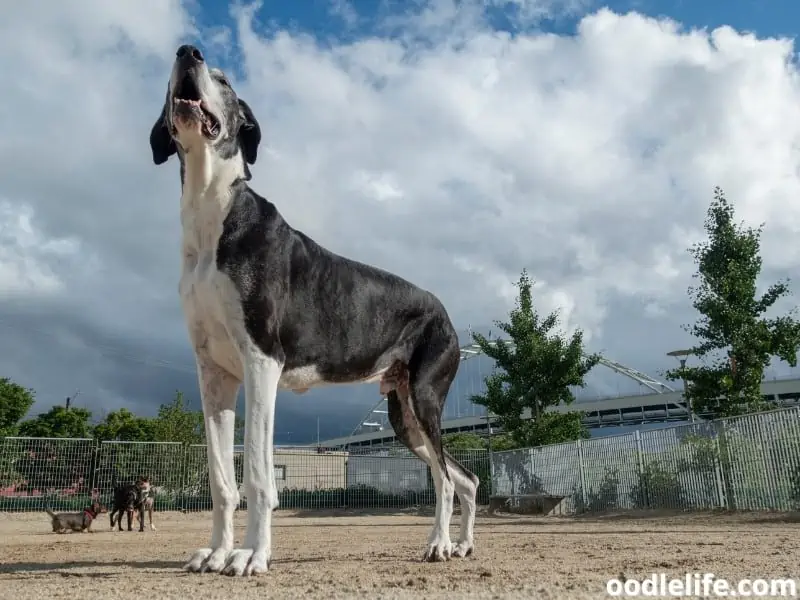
{"type": "Point", "coordinates": [188, 106]}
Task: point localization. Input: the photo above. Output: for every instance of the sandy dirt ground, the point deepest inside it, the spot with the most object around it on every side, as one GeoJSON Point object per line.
{"type": "Point", "coordinates": [343, 555]}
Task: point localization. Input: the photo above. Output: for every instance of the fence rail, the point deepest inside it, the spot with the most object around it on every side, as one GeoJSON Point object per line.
{"type": "Point", "coordinates": [743, 463]}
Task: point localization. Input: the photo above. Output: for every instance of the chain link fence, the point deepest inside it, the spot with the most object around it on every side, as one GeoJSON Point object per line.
{"type": "Point", "coordinates": [750, 462]}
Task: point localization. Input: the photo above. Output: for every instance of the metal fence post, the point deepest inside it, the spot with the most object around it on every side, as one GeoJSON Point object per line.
{"type": "Point", "coordinates": [637, 436]}
{"type": "Point", "coordinates": [184, 477]}
{"type": "Point", "coordinates": [721, 497]}
{"type": "Point", "coordinates": [726, 465]}
{"type": "Point", "coordinates": [582, 473]}
{"type": "Point", "coordinates": [95, 466]}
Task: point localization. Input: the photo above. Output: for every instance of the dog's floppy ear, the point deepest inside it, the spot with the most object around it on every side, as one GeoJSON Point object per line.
{"type": "Point", "coordinates": [249, 133]}
{"type": "Point", "coordinates": [161, 142]}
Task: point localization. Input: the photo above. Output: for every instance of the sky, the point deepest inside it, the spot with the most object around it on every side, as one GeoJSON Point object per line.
{"type": "Point", "coordinates": [453, 143]}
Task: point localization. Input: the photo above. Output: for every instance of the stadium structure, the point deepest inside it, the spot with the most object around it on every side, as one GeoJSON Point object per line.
{"type": "Point", "coordinates": [661, 404]}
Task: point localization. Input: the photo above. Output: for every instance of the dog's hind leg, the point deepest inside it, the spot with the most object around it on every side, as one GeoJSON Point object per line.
{"type": "Point", "coordinates": [416, 419]}
{"type": "Point", "coordinates": [466, 484]}
{"type": "Point", "coordinates": [218, 390]}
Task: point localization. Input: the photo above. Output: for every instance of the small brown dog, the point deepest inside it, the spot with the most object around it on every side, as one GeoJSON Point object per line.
{"type": "Point", "coordinates": [77, 521]}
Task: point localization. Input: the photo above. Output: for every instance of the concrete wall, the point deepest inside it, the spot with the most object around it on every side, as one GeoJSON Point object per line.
{"type": "Point", "coordinates": [297, 469]}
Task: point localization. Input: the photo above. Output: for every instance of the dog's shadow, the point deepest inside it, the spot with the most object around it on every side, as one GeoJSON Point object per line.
{"type": "Point", "coordinates": [63, 568]}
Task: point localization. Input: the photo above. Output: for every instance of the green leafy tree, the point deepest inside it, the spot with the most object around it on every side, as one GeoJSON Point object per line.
{"type": "Point", "coordinates": [736, 339]}
{"type": "Point", "coordinates": [59, 422]}
{"type": "Point", "coordinates": [176, 422]}
{"type": "Point", "coordinates": [123, 425]}
{"type": "Point", "coordinates": [15, 402]}
{"type": "Point", "coordinates": [534, 372]}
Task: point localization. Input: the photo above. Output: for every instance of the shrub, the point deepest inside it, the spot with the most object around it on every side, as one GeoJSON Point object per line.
{"type": "Point", "coordinates": [604, 498]}
{"type": "Point", "coordinates": [657, 487]}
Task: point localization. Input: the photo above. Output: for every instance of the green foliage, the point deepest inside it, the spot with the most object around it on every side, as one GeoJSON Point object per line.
{"type": "Point", "coordinates": [176, 422]}
{"type": "Point", "coordinates": [657, 488]}
{"type": "Point", "coordinates": [15, 402]}
{"type": "Point", "coordinates": [604, 498]}
{"type": "Point", "coordinates": [535, 372]}
{"type": "Point", "coordinates": [736, 340]}
{"type": "Point", "coordinates": [464, 441]}
{"type": "Point", "coordinates": [59, 422]}
{"type": "Point", "coordinates": [703, 455]}
{"type": "Point", "coordinates": [503, 441]}
{"type": "Point", "coordinates": [551, 428]}
{"type": "Point", "coordinates": [123, 425]}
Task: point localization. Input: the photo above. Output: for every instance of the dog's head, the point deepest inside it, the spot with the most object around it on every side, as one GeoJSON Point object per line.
{"type": "Point", "coordinates": [97, 508]}
{"type": "Point", "coordinates": [202, 113]}
{"type": "Point", "coordinates": [143, 484]}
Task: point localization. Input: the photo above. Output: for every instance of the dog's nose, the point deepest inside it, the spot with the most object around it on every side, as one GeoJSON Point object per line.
{"type": "Point", "coordinates": [190, 53]}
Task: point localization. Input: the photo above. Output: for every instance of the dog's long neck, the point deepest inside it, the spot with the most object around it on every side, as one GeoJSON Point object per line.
{"type": "Point", "coordinates": [207, 182]}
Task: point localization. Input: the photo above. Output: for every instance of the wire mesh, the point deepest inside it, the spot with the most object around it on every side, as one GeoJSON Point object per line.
{"type": "Point", "coordinates": [39, 472]}
{"type": "Point", "coordinates": [747, 463]}
{"type": "Point", "coordinates": [120, 463]}
{"type": "Point", "coordinates": [609, 467]}
{"type": "Point", "coordinates": [760, 456]}
{"type": "Point", "coordinates": [321, 478]}
{"type": "Point", "coordinates": [679, 469]}
{"type": "Point", "coordinates": [477, 462]}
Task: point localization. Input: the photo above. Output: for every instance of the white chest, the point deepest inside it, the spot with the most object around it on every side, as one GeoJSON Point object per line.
{"type": "Point", "coordinates": [212, 311]}
{"type": "Point", "coordinates": [208, 297]}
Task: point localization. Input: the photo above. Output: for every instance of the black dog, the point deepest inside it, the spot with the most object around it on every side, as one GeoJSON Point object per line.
{"type": "Point", "coordinates": [128, 498]}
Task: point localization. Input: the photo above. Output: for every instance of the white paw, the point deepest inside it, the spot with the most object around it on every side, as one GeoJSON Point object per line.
{"type": "Point", "coordinates": [438, 550]}
{"type": "Point", "coordinates": [196, 561]}
{"type": "Point", "coordinates": [463, 548]}
{"type": "Point", "coordinates": [152, 527]}
{"type": "Point", "coordinates": [245, 562]}
{"type": "Point", "coordinates": [206, 560]}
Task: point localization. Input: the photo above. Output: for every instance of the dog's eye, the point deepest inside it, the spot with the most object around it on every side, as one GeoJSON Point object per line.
{"type": "Point", "coordinates": [224, 82]}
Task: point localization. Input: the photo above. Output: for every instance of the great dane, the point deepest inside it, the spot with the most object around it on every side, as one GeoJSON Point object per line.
{"type": "Point", "coordinates": [269, 308]}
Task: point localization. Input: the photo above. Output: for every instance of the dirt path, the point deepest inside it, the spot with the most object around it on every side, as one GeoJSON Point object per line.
{"type": "Point", "coordinates": [377, 557]}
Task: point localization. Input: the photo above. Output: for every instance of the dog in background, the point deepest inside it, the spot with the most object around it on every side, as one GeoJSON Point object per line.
{"type": "Point", "coordinates": [129, 498]}
{"type": "Point", "coordinates": [77, 521]}
{"type": "Point", "coordinates": [147, 505]}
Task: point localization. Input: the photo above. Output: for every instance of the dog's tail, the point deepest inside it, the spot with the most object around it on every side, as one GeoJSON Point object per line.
{"type": "Point", "coordinates": [48, 511]}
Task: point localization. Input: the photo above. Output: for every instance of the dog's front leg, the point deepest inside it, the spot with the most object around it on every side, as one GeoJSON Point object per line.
{"type": "Point", "coordinates": [218, 390]}
{"type": "Point", "coordinates": [261, 375]}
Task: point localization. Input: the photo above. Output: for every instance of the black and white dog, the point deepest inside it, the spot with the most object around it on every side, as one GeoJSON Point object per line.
{"type": "Point", "coordinates": [268, 307]}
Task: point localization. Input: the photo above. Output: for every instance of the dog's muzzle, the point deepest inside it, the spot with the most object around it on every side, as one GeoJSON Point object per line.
{"type": "Point", "coordinates": [188, 106]}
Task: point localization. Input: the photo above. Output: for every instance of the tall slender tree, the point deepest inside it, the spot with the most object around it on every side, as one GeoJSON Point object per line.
{"type": "Point", "coordinates": [736, 339]}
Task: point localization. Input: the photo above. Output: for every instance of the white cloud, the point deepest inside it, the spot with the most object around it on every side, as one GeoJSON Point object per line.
{"type": "Point", "coordinates": [590, 160]}
{"type": "Point", "coordinates": [26, 255]}
{"type": "Point", "coordinates": [452, 154]}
